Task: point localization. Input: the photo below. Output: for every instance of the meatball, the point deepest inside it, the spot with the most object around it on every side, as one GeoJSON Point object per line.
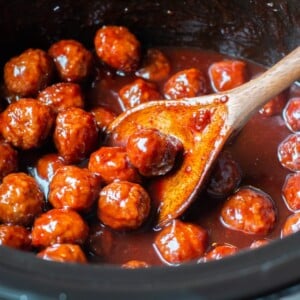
{"type": "Point", "coordinates": [69, 253]}
{"type": "Point", "coordinates": [152, 152]}
{"type": "Point", "coordinates": [100, 240]}
{"type": "Point", "coordinates": [75, 188]}
{"type": "Point", "coordinates": [28, 73]}
{"type": "Point", "coordinates": [291, 225]}
{"type": "Point", "coordinates": [118, 47]}
{"type": "Point", "coordinates": [289, 152]}
{"type": "Point", "coordinates": [27, 123]}
{"type": "Point", "coordinates": [291, 191]}
{"type": "Point", "coordinates": [137, 92]}
{"type": "Point", "coordinates": [180, 242]}
{"type": "Point", "coordinates": [15, 236]}
{"type": "Point", "coordinates": [75, 134]}
{"type": "Point", "coordinates": [249, 210]}
{"type": "Point", "coordinates": [61, 96]}
{"type": "Point", "coordinates": [186, 83]}
{"type": "Point", "coordinates": [48, 164]}
{"type": "Point", "coordinates": [155, 67]}
{"type": "Point", "coordinates": [73, 61]}
{"type": "Point", "coordinates": [21, 199]}
{"type": "Point", "coordinates": [123, 205]}
{"type": "Point", "coordinates": [291, 114]}
{"type": "Point", "coordinates": [274, 106]}
{"type": "Point", "coordinates": [259, 243]}
{"type": "Point", "coordinates": [225, 177]}
{"type": "Point", "coordinates": [103, 117]}
{"type": "Point", "coordinates": [59, 226]}
{"type": "Point", "coordinates": [227, 74]}
{"type": "Point", "coordinates": [135, 264]}
{"type": "Point", "coordinates": [220, 251]}
{"type": "Point", "coordinates": [8, 159]}
{"type": "Point", "coordinates": [112, 163]}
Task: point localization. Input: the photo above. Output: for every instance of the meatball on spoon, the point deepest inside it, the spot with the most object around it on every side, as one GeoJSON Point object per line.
{"type": "Point", "coordinates": [203, 125]}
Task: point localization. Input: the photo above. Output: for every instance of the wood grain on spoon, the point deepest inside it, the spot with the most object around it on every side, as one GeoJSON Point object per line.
{"type": "Point", "coordinates": [203, 125]}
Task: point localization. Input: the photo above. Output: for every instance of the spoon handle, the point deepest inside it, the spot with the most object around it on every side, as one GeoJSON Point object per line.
{"type": "Point", "coordinates": [247, 99]}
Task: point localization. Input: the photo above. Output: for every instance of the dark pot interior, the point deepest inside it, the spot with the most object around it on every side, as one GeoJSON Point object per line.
{"type": "Point", "coordinates": [262, 31]}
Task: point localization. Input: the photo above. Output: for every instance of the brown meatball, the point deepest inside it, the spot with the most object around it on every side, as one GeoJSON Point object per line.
{"type": "Point", "coordinates": [225, 177]}
{"type": "Point", "coordinates": [186, 83]}
{"type": "Point", "coordinates": [15, 236]}
{"type": "Point", "coordinates": [75, 188]}
{"type": "Point", "coordinates": [291, 191]}
{"type": "Point", "coordinates": [61, 96]}
{"type": "Point", "coordinates": [73, 61]}
{"type": "Point", "coordinates": [291, 225]}
{"type": "Point", "coordinates": [249, 210]}
{"type": "Point", "coordinates": [8, 159]}
{"type": "Point", "coordinates": [103, 117]}
{"type": "Point", "coordinates": [274, 106]}
{"type": "Point", "coordinates": [291, 114]}
{"type": "Point", "coordinates": [59, 226]}
{"type": "Point", "coordinates": [135, 264]}
{"type": "Point", "coordinates": [152, 152]}
{"type": "Point", "coordinates": [21, 199]}
{"type": "Point", "coordinates": [289, 152]}
{"type": "Point", "coordinates": [27, 123]}
{"type": "Point", "coordinates": [220, 251]}
{"type": "Point", "coordinates": [155, 67]}
{"type": "Point", "coordinates": [180, 242]}
{"type": "Point", "coordinates": [118, 47]}
{"type": "Point", "coordinates": [48, 164]}
{"type": "Point", "coordinates": [137, 92]}
{"type": "Point", "coordinates": [75, 134]}
{"type": "Point", "coordinates": [123, 205]}
{"type": "Point", "coordinates": [227, 74]}
{"type": "Point", "coordinates": [69, 253]}
{"type": "Point", "coordinates": [112, 163]}
{"type": "Point", "coordinates": [28, 73]}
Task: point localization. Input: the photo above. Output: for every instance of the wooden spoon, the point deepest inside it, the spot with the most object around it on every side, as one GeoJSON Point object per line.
{"type": "Point", "coordinates": [203, 125]}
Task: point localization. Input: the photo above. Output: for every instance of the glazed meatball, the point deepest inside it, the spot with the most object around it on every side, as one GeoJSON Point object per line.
{"type": "Point", "coordinates": [227, 74]}
{"type": "Point", "coordinates": [289, 152]}
{"type": "Point", "coordinates": [123, 205]}
{"type": "Point", "coordinates": [249, 210]}
{"type": "Point", "coordinates": [103, 117]}
{"type": "Point", "coordinates": [75, 134]}
{"type": "Point", "coordinates": [291, 114]}
{"type": "Point", "coordinates": [291, 225]}
{"type": "Point", "coordinates": [118, 47]}
{"type": "Point", "coordinates": [28, 73]}
{"type": "Point", "coordinates": [259, 243]}
{"type": "Point", "coordinates": [152, 152]}
{"type": "Point", "coordinates": [186, 83]}
{"type": "Point", "coordinates": [112, 163]}
{"type": "Point", "coordinates": [48, 164]}
{"type": "Point", "coordinates": [75, 188]}
{"type": "Point", "coordinates": [225, 177]}
{"type": "Point", "coordinates": [100, 240]}
{"type": "Point", "coordinates": [274, 106]}
{"type": "Point", "coordinates": [73, 61]}
{"type": "Point", "coordinates": [135, 264]}
{"type": "Point", "coordinates": [180, 242]}
{"type": "Point", "coordinates": [155, 67]}
{"type": "Point", "coordinates": [137, 92]}
{"type": "Point", "coordinates": [220, 251]}
{"type": "Point", "coordinates": [15, 236]}
{"type": "Point", "coordinates": [69, 253]}
{"type": "Point", "coordinates": [291, 191]}
{"type": "Point", "coordinates": [59, 226]}
{"type": "Point", "coordinates": [21, 199]}
{"type": "Point", "coordinates": [8, 159]}
{"type": "Point", "coordinates": [61, 96]}
{"type": "Point", "coordinates": [27, 123]}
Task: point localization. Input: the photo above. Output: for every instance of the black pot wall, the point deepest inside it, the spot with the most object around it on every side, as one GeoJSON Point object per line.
{"type": "Point", "coordinates": [260, 30]}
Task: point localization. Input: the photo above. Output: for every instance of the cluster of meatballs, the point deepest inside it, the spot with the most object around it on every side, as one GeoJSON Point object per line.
{"type": "Point", "coordinates": [46, 106]}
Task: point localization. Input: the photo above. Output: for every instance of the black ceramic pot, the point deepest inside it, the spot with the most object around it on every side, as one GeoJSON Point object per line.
{"type": "Point", "coordinates": [260, 30]}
